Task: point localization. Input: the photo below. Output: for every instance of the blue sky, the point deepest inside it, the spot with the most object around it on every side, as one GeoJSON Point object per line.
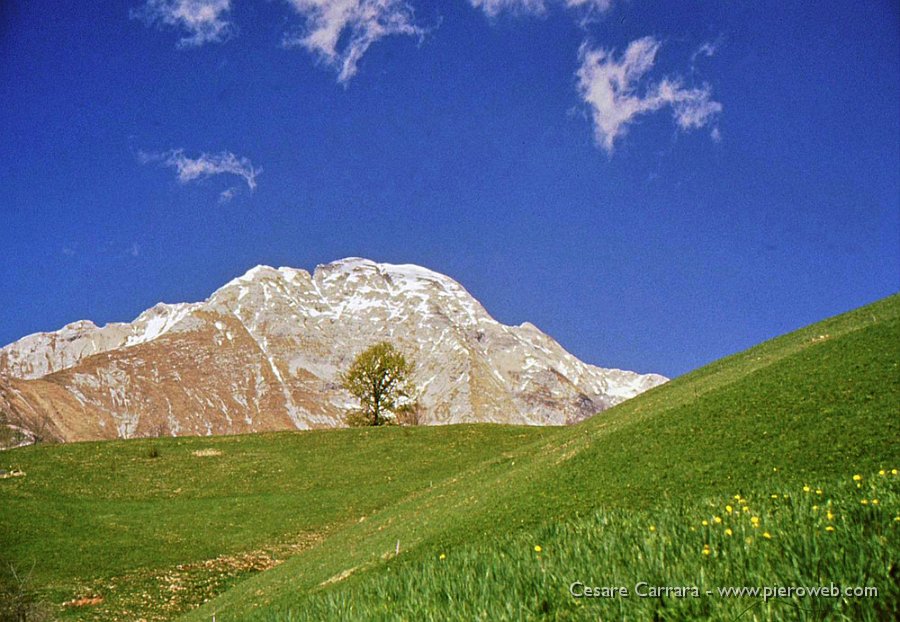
{"type": "Point", "coordinates": [654, 184]}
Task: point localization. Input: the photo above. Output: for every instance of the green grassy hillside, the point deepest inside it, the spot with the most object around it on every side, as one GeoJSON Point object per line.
{"type": "Point", "coordinates": [117, 519]}
{"type": "Point", "coordinates": [363, 517]}
{"type": "Point", "coordinates": [813, 406]}
{"type": "Point", "coordinates": [801, 536]}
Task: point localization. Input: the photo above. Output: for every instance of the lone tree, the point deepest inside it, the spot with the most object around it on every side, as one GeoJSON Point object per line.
{"type": "Point", "coordinates": [380, 379]}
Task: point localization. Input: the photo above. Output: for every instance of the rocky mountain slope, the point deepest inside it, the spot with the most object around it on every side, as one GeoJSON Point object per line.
{"type": "Point", "coordinates": [264, 352]}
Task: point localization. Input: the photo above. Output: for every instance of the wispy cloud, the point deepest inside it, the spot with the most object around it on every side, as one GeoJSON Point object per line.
{"type": "Point", "coordinates": [226, 195]}
{"type": "Point", "coordinates": [706, 49]}
{"type": "Point", "coordinates": [600, 5]}
{"type": "Point", "coordinates": [610, 88]}
{"type": "Point", "coordinates": [206, 165]}
{"type": "Point", "coordinates": [495, 7]}
{"type": "Point", "coordinates": [339, 32]}
{"type": "Point", "coordinates": [205, 21]}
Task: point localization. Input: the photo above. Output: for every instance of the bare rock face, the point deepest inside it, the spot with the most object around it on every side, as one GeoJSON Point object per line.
{"type": "Point", "coordinates": [265, 351]}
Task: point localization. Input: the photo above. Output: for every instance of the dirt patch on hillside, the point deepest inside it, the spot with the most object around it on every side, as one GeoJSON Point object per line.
{"type": "Point", "coordinates": [164, 595]}
{"type": "Point", "coordinates": [206, 453]}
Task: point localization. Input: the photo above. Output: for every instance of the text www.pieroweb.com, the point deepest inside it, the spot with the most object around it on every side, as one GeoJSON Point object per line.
{"type": "Point", "coordinates": [642, 589]}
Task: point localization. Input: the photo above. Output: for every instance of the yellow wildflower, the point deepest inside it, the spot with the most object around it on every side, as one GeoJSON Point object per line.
{"type": "Point", "coordinates": [717, 520]}
{"type": "Point", "coordinates": [829, 516]}
{"type": "Point", "coordinates": [806, 488]}
{"type": "Point", "coordinates": [815, 508]}
{"type": "Point", "coordinates": [537, 548]}
{"type": "Point", "coordinates": [706, 549]}
{"type": "Point", "coordinates": [704, 522]}
{"type": "Point", "coordinates": [874, 501]}
{"type": "Point", "coordinates": [894, 471]}
{"type": "Point", "coordinates": [728, 509]}
{"type": "Point", "coordinates": [754, 520]}
{"type": "Point", "coordinates": [882, 472]}
{"type": "Point", "coordinates": [857, 477]}
{"type": "Point", "coordinates": [737, 497]}
{"type": "Point", "coordinates": [728, 531]}
{"type": "Point", "coordinates": [442, 556]}
{"type": "Point", "coordinates": [829, 528]}
{"type": "Point", "coordinates": [818, 491]}
{"type": "Point", "coordinates": [864, 501]}
{"type": "Point", "coordinates": [774, 496]}
{"type": "Point", "coordinates": [746, 510]}
{"type": "Point", "coordinates": [652, 528]}
{"type": "Point", "coordinates": [767, 535]}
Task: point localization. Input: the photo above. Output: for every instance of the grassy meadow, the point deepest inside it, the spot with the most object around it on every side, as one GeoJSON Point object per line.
{"type": "Point", "coordinates": [158, 525]}
{"type": "Point", "coordinates": [443, 523]}
{"type": "Point", "coordinates": [795, 537]}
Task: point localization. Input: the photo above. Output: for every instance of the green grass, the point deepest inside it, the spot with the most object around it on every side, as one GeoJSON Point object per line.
{"type": "Point", "coordinates": [810, 407]}
{"type": "Point", "coordinates": [108, 518]}
{"type": "Point", "coordinates": [763, 539]}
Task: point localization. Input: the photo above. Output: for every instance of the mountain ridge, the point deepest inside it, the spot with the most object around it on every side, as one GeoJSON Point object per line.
{"type": "Point", "coordinates": [264, 352]}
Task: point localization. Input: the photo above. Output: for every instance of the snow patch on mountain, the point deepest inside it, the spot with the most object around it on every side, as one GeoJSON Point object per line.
{"type": "Point", "coordinates": [269, 347]}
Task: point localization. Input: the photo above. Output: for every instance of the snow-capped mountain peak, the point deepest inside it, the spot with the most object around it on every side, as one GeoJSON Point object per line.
{"type": "Point", "coordinates": [265, 351]}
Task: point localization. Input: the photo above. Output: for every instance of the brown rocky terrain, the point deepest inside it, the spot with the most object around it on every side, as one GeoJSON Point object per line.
{"type": "Point", "coordinates": [264, 352]}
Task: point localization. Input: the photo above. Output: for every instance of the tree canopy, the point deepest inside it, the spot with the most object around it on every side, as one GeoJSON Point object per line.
{"type": "Point", "coordinates": [380, 379]}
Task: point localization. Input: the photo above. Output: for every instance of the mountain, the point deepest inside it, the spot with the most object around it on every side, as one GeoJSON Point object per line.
{"type": "Point", "coordinates": [264, 352]}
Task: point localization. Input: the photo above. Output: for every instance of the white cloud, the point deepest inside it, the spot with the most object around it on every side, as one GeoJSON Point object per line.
{"type": "Point", "coordinates": [340, 31]}
{"type": "Point", "coordinates": [609, 87]}
{"type": "Point", "coordinates": [204, 20]}
{"type": "Point", "coordinates": [226, 195]}
{"type": "Point", "coordinates": [598, 5]}
{"type": "Point", "coordinates": [707, 49]}
{"type": "Point", "coordinates": [189, 169]}
{"type": "Point", "coordinates": [495, 7]}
